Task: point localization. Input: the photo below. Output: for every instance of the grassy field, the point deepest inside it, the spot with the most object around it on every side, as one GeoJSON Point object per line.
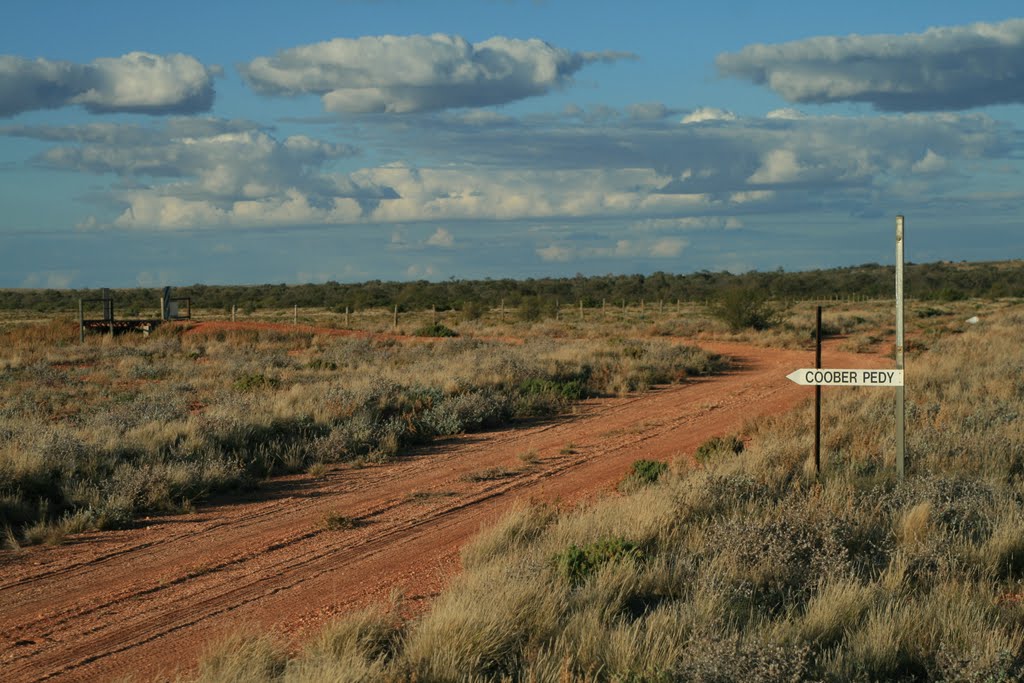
{"type": "Point", "coordinates": [94, 435]}
{"type": "Point", "coordinates": [747, 566]}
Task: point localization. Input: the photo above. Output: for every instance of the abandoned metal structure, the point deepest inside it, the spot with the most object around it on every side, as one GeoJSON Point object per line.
{"type": "Point", "coordinates": [171, 309]}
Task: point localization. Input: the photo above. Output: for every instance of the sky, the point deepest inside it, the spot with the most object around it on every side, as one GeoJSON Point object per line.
{"type": "Point", "coordinates": [151, 144]}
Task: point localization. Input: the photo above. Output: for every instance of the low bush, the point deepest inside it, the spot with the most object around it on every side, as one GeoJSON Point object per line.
{"type": "Point", "coordinates": [717, 447]}
{"type": "Point", "coordinates": [643, 473]}
{"type": "Point", "coordinates": [578, 563]}
{"type": "Point", "coordinates": [435, 330]}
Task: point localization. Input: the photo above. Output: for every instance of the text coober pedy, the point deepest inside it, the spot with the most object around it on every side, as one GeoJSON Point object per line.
{"type": "Point", "coordinates": [847, 377]}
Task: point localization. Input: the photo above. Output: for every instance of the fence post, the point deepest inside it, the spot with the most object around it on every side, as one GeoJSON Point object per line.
{"type": "Point", "coordinates": [232, 312]}
{"type": "Point", "coordinates": [295, 317]}
{"type": "Point", "coordinates": [346, 316]}
{"type": "Point", "coordinates": [396, 317]}
{"type": "Point", "coordinates": [581, 310]}
{"type": "Point", "coordinates": [81, 322]}
{"type": "Point", "coordinates": [502, 310]}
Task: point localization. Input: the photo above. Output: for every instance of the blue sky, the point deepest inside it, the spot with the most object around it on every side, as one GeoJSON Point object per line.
{"type": "Point", "coordinates": [227, 142]}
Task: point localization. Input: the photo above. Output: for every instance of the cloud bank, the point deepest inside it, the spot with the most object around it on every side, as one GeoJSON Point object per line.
{"type": "Point", "coordinates": [137, 82]}
{"type": "Point", "coordinates": [950, 68]}
{"type": "Point", "coordinates": [657, 175]}
{"type": "Point", "coordinates": [403, 74]}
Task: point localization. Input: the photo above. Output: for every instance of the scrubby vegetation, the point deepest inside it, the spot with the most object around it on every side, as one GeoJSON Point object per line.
{"type": "Point", "coordinates": [747, 567]}
{"type": "Point", "coordinates": [535, 298]}
{"type": "Point", "coordinates": [94, 435]}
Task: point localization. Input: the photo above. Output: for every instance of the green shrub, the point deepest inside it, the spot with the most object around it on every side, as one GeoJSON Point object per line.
{"type": "Point", "coordinates": [568, 389]}
{"type": "Point", "coordinates": [718, 446]}
{"type": "Point", "coordinates": [435, 330]}
{"type": "Point", "coordinates": [643, 473]}
{"type": "Point", "coordinates": [336, 521]}
{"type": "Point", "coordinates": [577, 563]}
{"type": "Point", "coordinates": [255, 382]}
{"type": "Point", "coordinates": [743, 308]}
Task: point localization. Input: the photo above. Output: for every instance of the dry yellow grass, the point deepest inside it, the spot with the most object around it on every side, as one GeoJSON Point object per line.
{"type": "Point", "coordinates": [750, 568]}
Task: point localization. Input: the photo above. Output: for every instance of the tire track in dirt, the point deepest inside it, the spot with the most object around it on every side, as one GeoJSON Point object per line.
{"type": "Point", "coordinates": [147, 601]}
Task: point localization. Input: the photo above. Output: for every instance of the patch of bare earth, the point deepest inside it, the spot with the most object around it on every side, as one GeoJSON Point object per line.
{"type": "Point", "coordinates": [146, 601]}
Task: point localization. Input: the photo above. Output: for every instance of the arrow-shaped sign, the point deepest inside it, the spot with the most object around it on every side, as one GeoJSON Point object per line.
{"type": "Point", "coordinates": [829, 377]}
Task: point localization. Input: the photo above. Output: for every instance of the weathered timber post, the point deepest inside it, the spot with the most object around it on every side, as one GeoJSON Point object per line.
{"type": "Point", "coordinates": [395, 325]}
{"type": "Point", "coordinates": [81, 322]}
{"type": "Point", "coordinates": [900, 408]}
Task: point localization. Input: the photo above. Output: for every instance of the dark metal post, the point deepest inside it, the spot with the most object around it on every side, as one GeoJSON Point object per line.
{"type": "Point", "coordinates": [396, 317]}
{"type": "Point", "coordinates": [817, 394]}
{"type": "Point", "coordinates": [81, 322]}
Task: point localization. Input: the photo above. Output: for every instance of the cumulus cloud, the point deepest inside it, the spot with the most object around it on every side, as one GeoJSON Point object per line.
{"type": "Point", "coordinates": [930, 163]}
{"type": "Point", "coordinates": [663, 248]}
{"type": "Point", "coordinates": [209, 172]}
{"type": "Point", "coordinates": [704, 114]}
{"type": "Point", "coordinates": [441, 238]}
{"type": "Point", "coordinates": [137, 82]}
{"type": "Point", "coordinates": [948, 68]}
{"type": "Point", "coordinates": [401, 74]}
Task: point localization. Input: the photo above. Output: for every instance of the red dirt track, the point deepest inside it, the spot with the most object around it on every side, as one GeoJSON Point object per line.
{"type": "Point", "coordinates": [146, 602]}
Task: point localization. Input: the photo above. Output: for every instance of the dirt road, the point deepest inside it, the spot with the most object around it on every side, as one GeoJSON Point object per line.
{"type": "Point", "coordinates": [146, 601]}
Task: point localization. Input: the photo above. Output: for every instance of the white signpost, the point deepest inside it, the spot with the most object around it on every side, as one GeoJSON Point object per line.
{"type": "Point", "coordinates": [830, 377]}
{"type": "Point", "coordinates": [847, 377]}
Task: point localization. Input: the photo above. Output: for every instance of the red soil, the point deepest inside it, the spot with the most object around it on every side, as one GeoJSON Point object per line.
{"type": "Point", "coordinates": [146, 602]}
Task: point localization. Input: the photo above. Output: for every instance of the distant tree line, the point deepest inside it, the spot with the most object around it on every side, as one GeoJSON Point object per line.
{"type": "Point", "coordinates": [943, 281]}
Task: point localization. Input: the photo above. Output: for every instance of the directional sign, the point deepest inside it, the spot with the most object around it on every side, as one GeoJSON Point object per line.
{"type": "Point", "coordinates": [846, 378]}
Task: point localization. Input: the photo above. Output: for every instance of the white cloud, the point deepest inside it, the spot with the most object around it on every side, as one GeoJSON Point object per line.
{"type": "Point", "coordinates": [786, 114]}
{"type": "Point", "coordinates": [778, 166]}
{"type": "Point", "coordinates": [136, 82]}
{"type": "Point", "coordinates": [401, 74]}
{"type": "Point", "coordinates": [662, 248]}
{"type": "Point", "coordinates": [948, 68]}
{"type": "Point", "coordinates": [669, 247]}
{"type": "Point", "coordinates": [705, 114]}
{"type": "Point", "coordinates": [441, 238]}
{"type": "Point", "coordinates": [930, 163]}
{"type": "Point", "coordinates": [49, 279]}
{"type": "Point", "coordinates": [421, 271]}
{"type": "Point", "coordinates": [555, 253]}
